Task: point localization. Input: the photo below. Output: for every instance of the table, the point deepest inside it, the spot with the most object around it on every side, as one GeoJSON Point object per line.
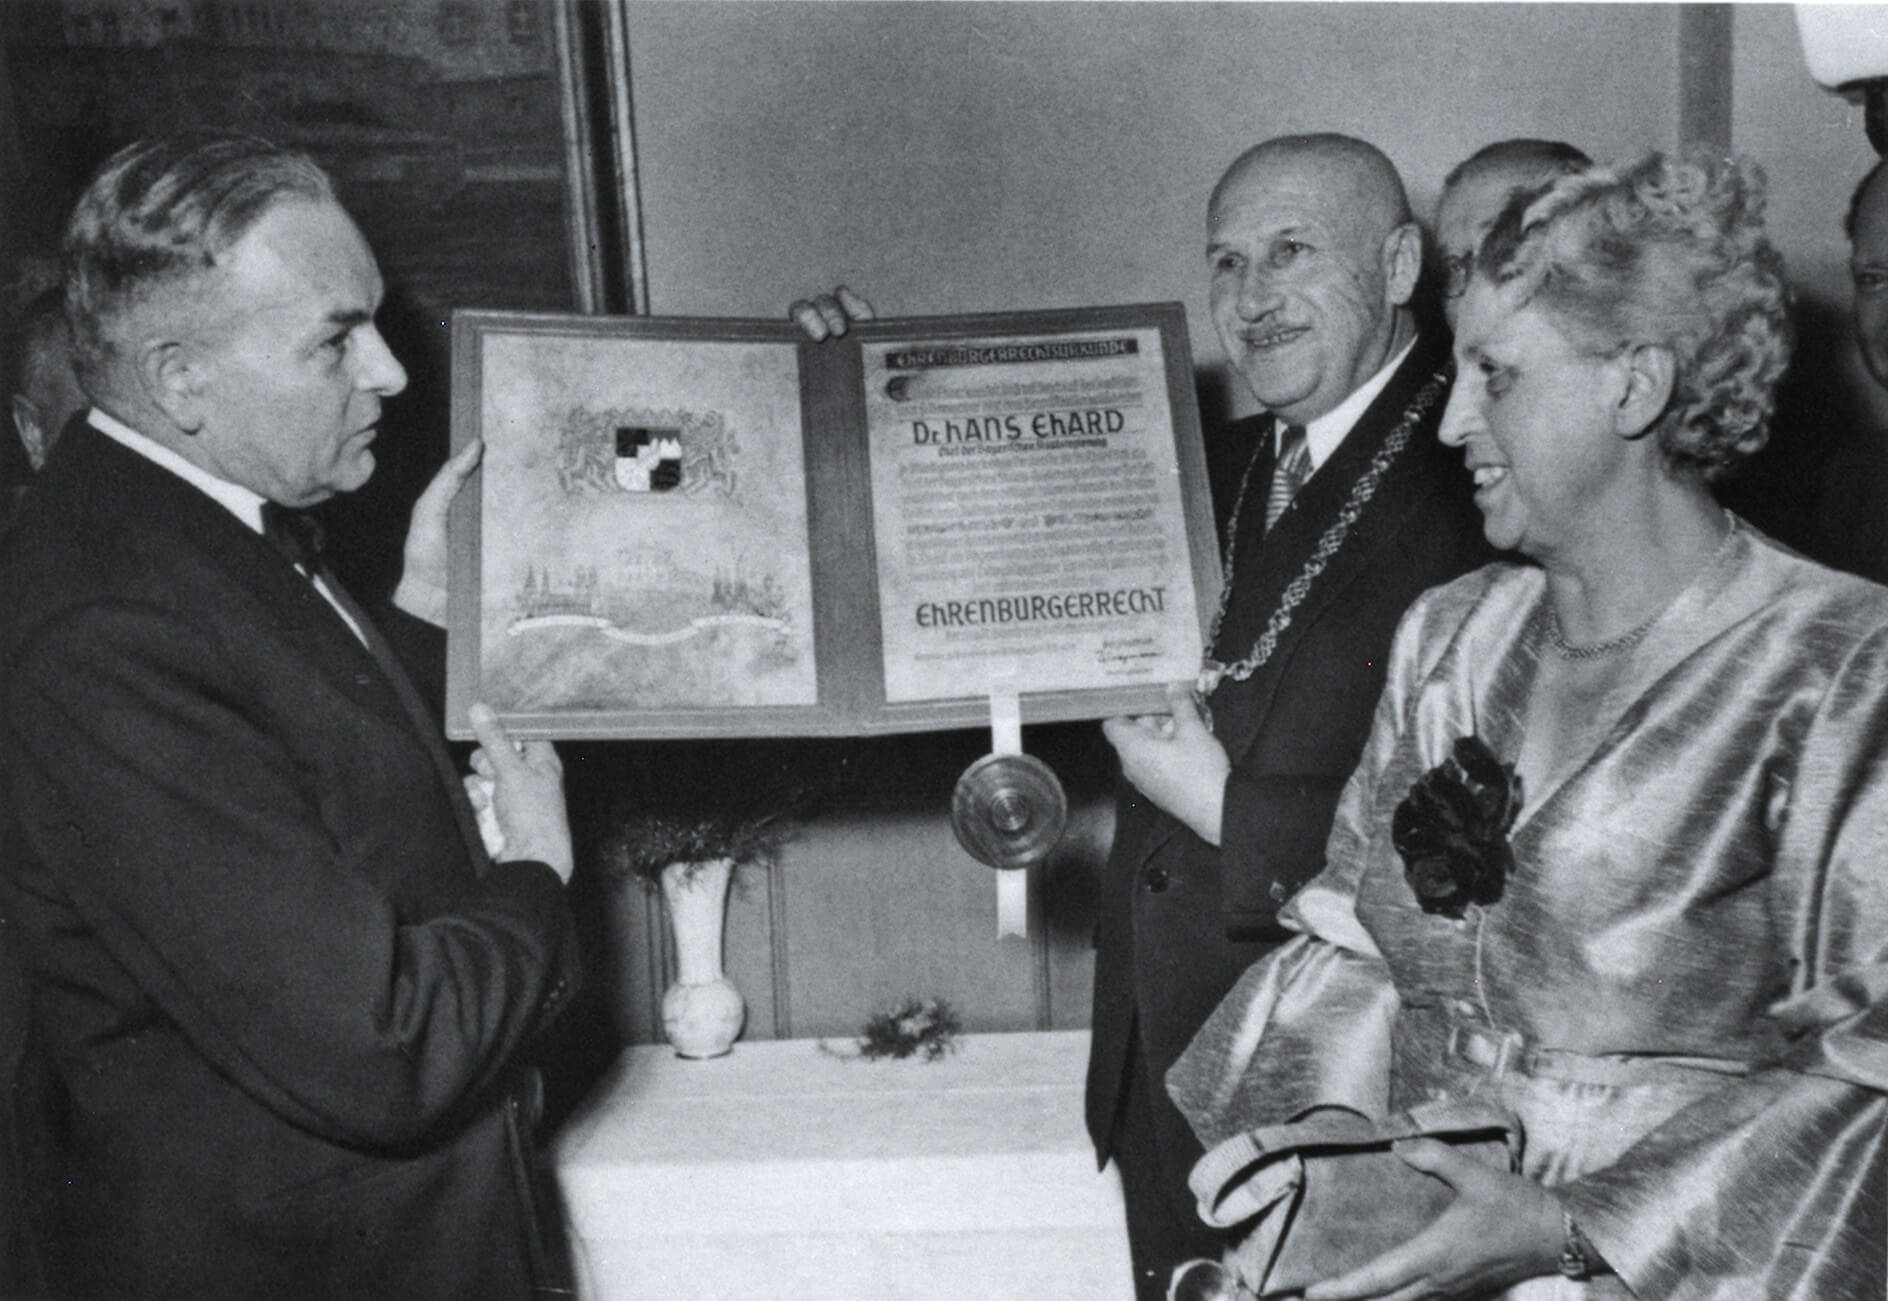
{"type": "Point", "coordinates": [782, 1170]}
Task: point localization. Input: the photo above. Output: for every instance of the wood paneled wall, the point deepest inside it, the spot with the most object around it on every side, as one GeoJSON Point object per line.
{"type": "Point", "coordinates": [872, 900]}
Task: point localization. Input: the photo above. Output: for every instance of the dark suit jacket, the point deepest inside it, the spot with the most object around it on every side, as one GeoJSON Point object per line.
{"type": "Point", "coordinates": [1180, 920]}
{"type": "Point", "coordinates": [284, 987]}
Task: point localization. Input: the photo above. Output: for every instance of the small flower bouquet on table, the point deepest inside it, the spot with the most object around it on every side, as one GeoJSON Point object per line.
{"type": "Point", "coordinates": [917, 1027]}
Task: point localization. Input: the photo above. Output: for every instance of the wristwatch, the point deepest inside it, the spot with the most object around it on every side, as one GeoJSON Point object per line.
{"type": "Point", "coordinates": [1579, 1259]}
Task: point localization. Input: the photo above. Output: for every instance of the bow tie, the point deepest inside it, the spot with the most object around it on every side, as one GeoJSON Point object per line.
{"type": "Point", "coordinates": [294, 533]}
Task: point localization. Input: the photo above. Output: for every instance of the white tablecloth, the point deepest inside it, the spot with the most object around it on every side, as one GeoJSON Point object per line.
{"type": "Point", "coordinates": [781, 1171]}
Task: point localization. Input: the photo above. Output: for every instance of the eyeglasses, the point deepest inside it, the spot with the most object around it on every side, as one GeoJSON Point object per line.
{"type": "Point", "coordinates": [1456, 270]}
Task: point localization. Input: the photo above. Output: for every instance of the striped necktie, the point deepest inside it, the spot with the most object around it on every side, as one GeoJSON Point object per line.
{"type": "Point", "coordinates": [1289, 474]}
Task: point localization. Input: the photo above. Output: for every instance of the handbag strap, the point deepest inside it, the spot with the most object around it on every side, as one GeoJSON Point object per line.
{"type": "Point", "coordinates": [1458, 1120]}
{"type": "Point", "coordinates": [1255, 1169]}
{"type": "Point", "coordinates": [1235, 1181]}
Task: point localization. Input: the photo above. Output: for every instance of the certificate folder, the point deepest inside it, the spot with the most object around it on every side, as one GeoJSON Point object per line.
{"type": "Point", "coordinates": [687, 527]}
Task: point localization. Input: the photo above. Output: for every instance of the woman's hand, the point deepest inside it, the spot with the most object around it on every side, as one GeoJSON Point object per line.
{"type": "Point", "coordinates": [1501, 1228]}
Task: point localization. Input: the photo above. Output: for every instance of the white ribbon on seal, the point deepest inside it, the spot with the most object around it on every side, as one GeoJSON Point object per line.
{"type": "Point", "coordinates": [1006, 737]}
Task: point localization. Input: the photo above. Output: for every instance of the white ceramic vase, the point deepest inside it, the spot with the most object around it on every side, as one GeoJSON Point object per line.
{"type": "Point", "coordinates": [702, 1012]}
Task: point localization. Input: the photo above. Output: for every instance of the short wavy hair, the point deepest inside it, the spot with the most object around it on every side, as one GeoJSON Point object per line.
{"type": "Point", "coordinates": [159, 215]}
{"type": "Point", "coordinates": [1668, 251]}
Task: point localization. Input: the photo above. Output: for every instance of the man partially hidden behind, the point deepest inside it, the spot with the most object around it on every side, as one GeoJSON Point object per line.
{"type": "Point", "coordinates": [1867, 229]}
{"type": "Point", "coordinates": [283, 982]}
{"type": "Point", "coordinates": [1223, 813]}
{"type": "Point", "coordinates": [47, 394]}
{"type": "Point", "coordinates": [1837, 482]}
{"type": "Point", "coordinates": [1478, 188]}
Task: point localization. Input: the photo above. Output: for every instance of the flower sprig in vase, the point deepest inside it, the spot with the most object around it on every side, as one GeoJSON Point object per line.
{"type": "Point", "coordinates": [690, 859]}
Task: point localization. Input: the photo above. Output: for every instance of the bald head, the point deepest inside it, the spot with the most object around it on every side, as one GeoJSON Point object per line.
{"type": "Point", "coordinates": [1523, 157]}
{"type": "Point", "coordinates": [1476, 191]}
{"type": "Point", "coordinates": [1313, 257]}
{"type": "Point", "coordinates": [1354, 172]}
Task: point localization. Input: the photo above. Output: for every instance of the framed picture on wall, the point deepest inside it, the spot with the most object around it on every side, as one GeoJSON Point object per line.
{"type": "Point", "coordinates": [691, 527]}
{"type": "Point", "coordinates": [485, 148]}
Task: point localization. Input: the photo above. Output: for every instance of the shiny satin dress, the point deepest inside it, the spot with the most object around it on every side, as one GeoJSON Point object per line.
{"type": "Point", "coordinates": [1682, 991]}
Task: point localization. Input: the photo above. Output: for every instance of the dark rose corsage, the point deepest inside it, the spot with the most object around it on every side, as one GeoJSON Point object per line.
{"type": "Point", "coordinates": [1452, 829]}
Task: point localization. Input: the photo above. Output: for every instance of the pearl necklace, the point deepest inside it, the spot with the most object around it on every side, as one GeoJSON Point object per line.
{"type": "Point", "coordinates": [1212, 672]}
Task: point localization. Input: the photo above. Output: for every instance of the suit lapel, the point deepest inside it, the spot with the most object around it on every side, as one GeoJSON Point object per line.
{"type": "Point", "coordinates": [174, 517]}
{"type": "Point", "coordinates": [1281, 558]}
{"type": "Point", "coordinates": [1251, 556]}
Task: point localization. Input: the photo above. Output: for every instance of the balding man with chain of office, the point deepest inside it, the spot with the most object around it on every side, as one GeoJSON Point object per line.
{"type": "Point", "coordinates": [1346, 508]}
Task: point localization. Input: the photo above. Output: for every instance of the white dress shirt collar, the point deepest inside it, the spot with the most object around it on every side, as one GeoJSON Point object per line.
{"type": "Point", "coordinates": [239, 501]}
{"type": "Point", "coordinates": [233, 497]}
{"type": "Point", "coordinates": [1324, 435]}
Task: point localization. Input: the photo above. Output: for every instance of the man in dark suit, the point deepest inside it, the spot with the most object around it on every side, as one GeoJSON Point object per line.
{"type": "Point", "coordinates": [1851, 528]}
{"type": "Point", "coordinates": [45, 396]}
{"type": "Point", "coordinates": [283, 981]}
{"type": "Point", "coordinates": [1223, 811]}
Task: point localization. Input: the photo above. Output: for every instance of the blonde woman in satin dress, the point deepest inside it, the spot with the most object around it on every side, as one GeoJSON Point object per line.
{"type": "Point", "coordinates": [1668, 959]}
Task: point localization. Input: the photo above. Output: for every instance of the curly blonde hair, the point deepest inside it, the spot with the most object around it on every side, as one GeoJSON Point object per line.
{"type": "Point", "coordinates": [1671, 252]}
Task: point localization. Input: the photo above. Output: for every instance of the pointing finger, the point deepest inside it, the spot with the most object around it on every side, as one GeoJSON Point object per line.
{"type": "Point", "coordinates": [493, 740]}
